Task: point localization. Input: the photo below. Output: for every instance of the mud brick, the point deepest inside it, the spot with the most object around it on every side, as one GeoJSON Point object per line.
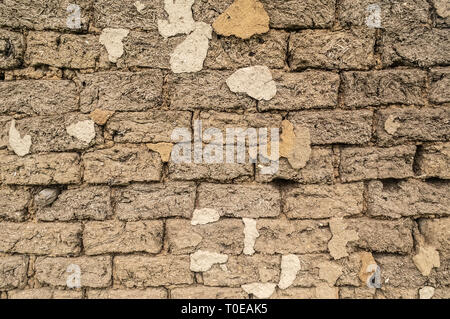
{"type": "Point", "coordinates": [13, 272]}
{"type": "Point", "coordinates": [12, 48]}
{"type": "Point", "coordinates": [14, 203]}
{"type": "Point", "coordinates": [440, 83]}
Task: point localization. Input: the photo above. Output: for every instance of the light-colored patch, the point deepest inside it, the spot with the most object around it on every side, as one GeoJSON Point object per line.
{"type": "Point", "coordinates": [426, 259]}
{"type": "Point", "coordinates": [260, 290]}
{"type": "Point", "coordinates": [224, 267]}
{"type": "Point", "coordinates": [190, 54]}
{"type": "Point", "coordinates": [338, 243]}
{"type": "Point", "coordinates": [205, 216]}
{"type": "Point", "coordinates": [139, 6]}
{"type": "Point", "coordinates": [255, 81]}
{"type": "Point", "coordinates": [46, 196]}
{"type": "Point", "coordinates": [20, 146]}
{"type": "Point", "coordinates": [426, 292]}
{"type": "Point", "coordinates": [324, 291]}
{"type": "Point", "coordinates": [390, 125]}
{"type": "Point", "coordinates": [290, 266]}
{"type": "Point", "coordinates": [83, 130]}
{"type": "Point", "coordinates": [251, 233]}
{"type": "Point", "coordinates": [330, 272]}
{"type": "Point", "coordinates": [442, 8]}
{"type": "Point", "coordinates": [164, 149]}
{"type": "Point", "coordinates": [100, 117]}
{"type": "Point", "coordinates": [243, 18]}
{"type": "Point", "coordinates": [295, 144]}
{"type": "Point", "coordinates": [180, 18]}
{"type": "Point", "coordinates": [204, 260]}
{"type": "Point", "coordinates": [112, 40]}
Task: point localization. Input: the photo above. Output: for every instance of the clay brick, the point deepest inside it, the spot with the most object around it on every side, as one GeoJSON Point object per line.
{"type": "Point", "coordinates": [295, 293]}
{"type": "Point", "coordinates": [242, 270]}
{"type": "Point", "coordinates": [13, 272]}
{"type": "Point", "coordinates": [149, 293]}
{"type": "Point", "coordinates": [373, 163]}
{"type": "Point", "coordinates": [38, 97]}
{"type": "Point", "coordinates": [400, 125]}
{"type": "Point", "coordinates": [12, 49]}
{"type": "Point", "coordinates": [401, 271]}
{"type": "Point", "coordinates": [225, 236]}
{"type": "Point", "coordinates": [45, 293]}
{"type": "Point", "coordinates": [122, 164]}
{"type": "Point", "coordinates": [342, 50]}
{"type": "Point", "coordinates": [40, 169]}
{"type": "Point", "coordinates": [92, 202]}
{"type": "Point", "coordinates": [149, 127]}
{"type": "Point", "coordinates": [142, 271]}
{"type": "Point", "coordinates": [409, 198]}
{"type": "Point", "coordinates": [436, 233]}
{"type": "Point", "coordinates": [323, 201]}
{"type": "Point", "coordinates": [249, 200]}
{"type": "Point", "coordinates": [14, 203]}
{"type": "Point", "coordinates": [119, 237]}
{"type": "Point", "coordinates": [95, 271]}
{"type": "Point", "coordinates": [40, 239]}
{"type": "Point", "coordinates": [356, 293]}
{"type": "Point", "coordinates": [203, 292]}
{"type": "Point", "coordinates": [362, 89]}
{"type": "Point", "coordinates": [440, 82]}
{"type": "Point", "coordinates": [335, 127]}
{"type": "Point", "coordinates": [121, 91]}
{"type": "Point", "coordinates": [291, 237]}
{"type": "Point", "coordinates": [303, 90]}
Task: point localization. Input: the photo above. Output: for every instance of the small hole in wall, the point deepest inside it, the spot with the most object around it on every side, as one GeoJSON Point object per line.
{"type": "Point", "coordinates": [2, 76]}
{"type": "Point", "coordinates": [251, 54]}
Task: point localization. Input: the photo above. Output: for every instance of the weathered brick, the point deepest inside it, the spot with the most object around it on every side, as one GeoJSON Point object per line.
{"type": "Point", "coordinates": [303, 90]}
{"type": "Point", "coordinates": [249, 200]}
{"type": "Point", "coordinates": [38, 97]}
{"type": "Point", "coordinates": [436, 233]}
{"type": "Point", "coordinates": [92, 202]}
{"type": "Point", "coordinates": [95, 271]}
{"type": "Point", "coordinates": [45, 293]}
{"type": "Point", "coordinates": [291, 237]}
{"type": "Point", "coordinates": [323, 201]}
{"type": "Point", "coordinates": [440, 82]}
{"type": "Point", "coordinates": [362, 89]}
{"type": "Point", "coordinates": [242, 270]}
{"type": "Point", "coordinates": [356, 293]}
{"type": "Point", "coordinates": [4, 131]}
{"type": "Point", "coordinates": [13, 272]}
{"type": "Point", "coordinates": [142, 271]}
{"type": "Point", "coordinates": [373, 163]}
{"type": "Point", "coordinates": [400, 125]}
{"type": "Point", "coordinates": [12, 49]}
{"type": "Point", "coordinates": [409, 198]}
{"type": "Point", "coordinates": [401, 271]}
{"type": "Point", "coordinates": [122, 164]}
{"type": "Point", "coordinates": [344, 50]}
{"type": "Point", "coordinates": [148, 127]}
{"type": "Point", "coordinates": [335, 127]}
{"type": "Point", "coordinates": [225, 236]}
{"type": "Point", "coordinates": [203, 292]}
{"type": "Point", "coordinates": [149, 293]}
{"type": "Point", "coordinates": [118, 237]}
{"type": "Point", "coordinates": [40, 169]}
{"type": "Point", "coordinates": [41, 238]}
{"type": "Point", "coordinates": [14, 203]}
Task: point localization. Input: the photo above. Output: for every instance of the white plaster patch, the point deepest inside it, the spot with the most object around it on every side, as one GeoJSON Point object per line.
{"type": "Point", "coordinates": [112, 40]}
{"type": "Point", "coordinates": [83, 130]}
{"type": "Point", "coordinates": [190, 54]}
{"type": "Point", "coordinates": [251, 233]}
{"type": "Point", "coordinates": [390, 125]}
{"type": "Point", "coordinates": [204, 260]}
{"type": "Point", "coordinates": [337, 246]}
{"type": "Point", "coordinates": [426, 292]}
{"type": "Point", "coordinates": [255, 81]}
{"type": "Point", "coordinates": [426, 259]}
{"type": "Point", "coordinates": [21, 146]}
{"type": "Point", "coordinates": [139, 6]}
{"type": "Point", "coordinates": [180, 18]}
{"type": "Point", "coordinates": [205, 216]}
{"type": "Point", "coordinates": [290, 266]}
{"type": "Point", "coordinates": [260, 290]}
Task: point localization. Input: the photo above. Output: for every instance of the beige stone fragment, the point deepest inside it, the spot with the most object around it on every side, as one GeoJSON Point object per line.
{"type": "Point", "coordinates": [203, 260]}
{"type": "Point", "coordinates": [139, 6]}
{"type": "Point", "coordinates": [324, 291]}
{"type": "Point", "coordinates": [20, 145]}
{"type": "Point", "coordinates": [164, 149]}
{"type": "Point", "coordinates": [426, 292]}
{"type": "Point", "coordinates": [330, 272]}
{"type": "Point", "coordinates": [180, 18]}
{"type": "Point", "coordinates": [243, 18]}
{"type": "Point", "coordinates": [295, 144]}
{"type": "Point", "coordinates": [100, 117]}
{"type": "Point", "coordinates": [337, 244]}
{"type": "Point", "coordinates": [390, 125]}
{"type": "Point", "coordinates": [260, 290]}
{"type": "Point", "coordinates": [426, 259]}
{"type": "Point", "coordinates": [255, 81]}
{"type": "Point", "coordinates": [205, 216]}
{"type": "Point", "coordinates": [112, 40]}
{"type": "Point", "coordinates": [290, 266]}
{"type": "Point", "coordinates": [251, 233]}
{"type": "Point", "coordinates": [83, 130]}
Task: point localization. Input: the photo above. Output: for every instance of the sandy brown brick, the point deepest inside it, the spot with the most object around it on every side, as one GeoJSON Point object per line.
{"type": "Point", "coordinates": [225, 236]}
{"type": "Point", "coordinates": [291, 237]}
{"type": "Point", "coordinates": [13, 272]}
{"type": "Point", "coordinates": [71, 51]}
{"type": "Point", "coordinates": [14, 203]}
{"type": "Point", "coordinates": [436, 233]}
{"type": "Point", "coordinates": [143, 271]}
{"type": "Point", "coordinates": [45, 293]}
{"type": "Point", "coordinates": [323, 201]}
{"type": "Point", "coordinates": [409, 198]}
{"type": "Point", "coordinates": [400, 270]}
{"type": "Point", "coordinates": [335, 127]}
{"type": "Point", "coordinates": [440, 83]}
{"type": "Point", "coordinates": [242, 270]}
{"type": "Point", "coordinates": [91, 203]}
{"type": "Point", "coordinates": [400, 125]}
{"type": "Point", "coordinates": [12, 49]}
{"type": "Point", "coordinates": [303, 90]}
{"type": "Point", "coordinates": [203, 292]}
{"type": "Point", "coordinates": [122, 164]}
{"type": "Point", "coordinates": [356, 293]}
{"type": "Point", "coordinates": [38, 97]}
{"type": "Point", "coordinates": [149, 293]}
{"type": "Point", "coordinates": [342, 50]}
{"type": "Point", "coordinates": [40, 169]}
{"type": "Point", "coordinates": [362, 89]}
{"type": "Point", "coordinates": [248, 200]}
{"type": "Point", "coordinates": [373, 163]}
{"type": "Point", "coordinates": [40, 238]}
{"type": "Point", "coordinates": [119, 237]}
{"type": "Point", "coordinates": [95, 271]}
